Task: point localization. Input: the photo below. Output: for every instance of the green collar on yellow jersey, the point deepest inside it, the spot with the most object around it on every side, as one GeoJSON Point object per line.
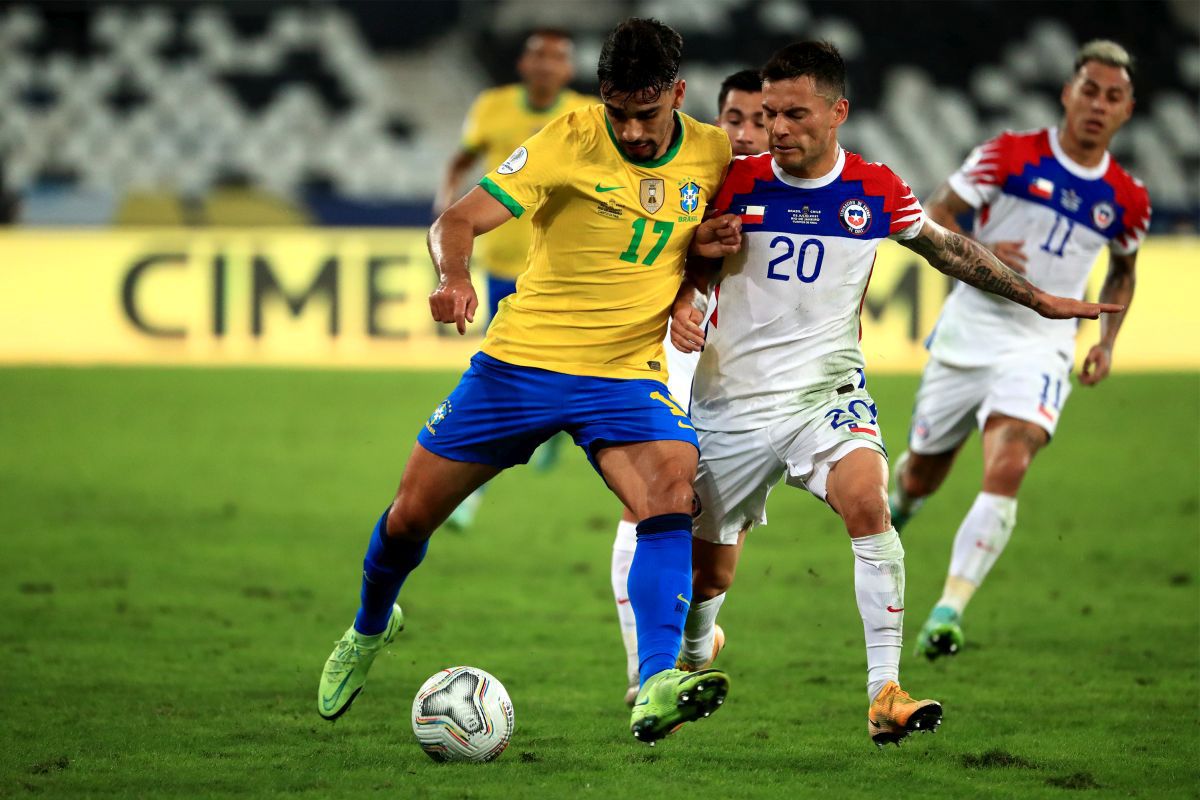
{"type": "Point", "coordinates": [533, 110]}
{"type": "Point", "coordinates": [658, 162]}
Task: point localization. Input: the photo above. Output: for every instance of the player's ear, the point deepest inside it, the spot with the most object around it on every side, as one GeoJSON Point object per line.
{"type": "Point", "coordinates": [677, 100]}
{"type": "Point", "coordinates": [841, 110]}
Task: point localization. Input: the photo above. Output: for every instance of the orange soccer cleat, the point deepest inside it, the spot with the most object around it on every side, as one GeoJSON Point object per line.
{"type": "Point", "coordinates": [894, 715]}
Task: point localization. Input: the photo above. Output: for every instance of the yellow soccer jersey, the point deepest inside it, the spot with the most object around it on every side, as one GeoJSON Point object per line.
{"type": "Point", "coordinates": [498, 122]}
{"type": "Point", "coordinates": [609, 240]}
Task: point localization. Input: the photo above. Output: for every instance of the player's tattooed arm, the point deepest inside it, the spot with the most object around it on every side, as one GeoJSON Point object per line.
{"type": "Point", "coordinates": [450, 241]}
{"type": "Point", "coordinates": [1118, 288]}
{"type": "Point", "coordinates": [973, 264]}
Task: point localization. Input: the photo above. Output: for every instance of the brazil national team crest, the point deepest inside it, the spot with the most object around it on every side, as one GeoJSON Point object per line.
{"type": "Point", "coordinates": [855, 216]}
{"type": "Point", "coordinates": [1103, 215]}
{"type": "Point", "coordinates": [440, 413]}
{"type": "Point", "coordinates": [651, 193]}
{"type": "Point", "coordinates": [689, 197]}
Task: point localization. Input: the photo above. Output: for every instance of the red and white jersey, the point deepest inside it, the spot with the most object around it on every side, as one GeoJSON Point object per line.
{"type": "Point", "coordinates": [1025, 188]}
{"type": "Point", "coordinates": [786, 327]}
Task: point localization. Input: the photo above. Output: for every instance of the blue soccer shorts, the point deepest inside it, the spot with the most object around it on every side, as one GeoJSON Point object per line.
{"type": "Point", "coordinates": [499, 413]}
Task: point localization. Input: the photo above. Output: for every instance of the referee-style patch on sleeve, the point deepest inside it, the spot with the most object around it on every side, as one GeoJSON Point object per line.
{"type": "Point", "coordinates": [515, 162]}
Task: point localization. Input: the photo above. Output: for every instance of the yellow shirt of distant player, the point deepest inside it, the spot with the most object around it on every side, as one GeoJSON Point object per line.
{"type": "Point", "coordinates": [498, 122]}
{"type": "Point", "coordinates": [609, 240]}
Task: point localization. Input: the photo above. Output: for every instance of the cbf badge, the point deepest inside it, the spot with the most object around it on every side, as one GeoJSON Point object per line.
{"type": "Point", "coordinates": [439, 414]}
{"type": "Point", "coordinates": [650, 193]}
{"type": "Point", "coordinates": [855, 217]}
{"type": "Point", "coordinates": [689, 197]}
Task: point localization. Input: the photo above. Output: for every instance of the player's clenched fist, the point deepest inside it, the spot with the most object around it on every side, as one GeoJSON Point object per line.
{"type": "Point", "coordinates": [718, 237]}
{"type": "Point", "coordinates": [454, 300]}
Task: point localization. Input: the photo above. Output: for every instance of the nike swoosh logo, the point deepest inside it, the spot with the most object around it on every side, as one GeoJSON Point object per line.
{"type": "Point", "coordinates": [623, 601]}
{"type": "Point", "coordinates": [683, 599]}
{"type": "Point", "coordinates": [895, 610]}
{"type": "Point", "coordinates": [874, 724]}
{"type": "Point", "coordinates": [600, 188]}
{"type": "Point", "coordinates": [327, 702]}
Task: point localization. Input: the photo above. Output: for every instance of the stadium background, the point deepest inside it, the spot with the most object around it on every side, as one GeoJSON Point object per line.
{"type": "Point", "coordinates": [248, 184]}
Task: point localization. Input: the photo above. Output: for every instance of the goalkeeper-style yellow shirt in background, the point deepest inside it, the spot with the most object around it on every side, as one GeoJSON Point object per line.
{"type": "Point", "coordinates": [609, 240]}
{"type": "Point", "coordinates": [499, 121]}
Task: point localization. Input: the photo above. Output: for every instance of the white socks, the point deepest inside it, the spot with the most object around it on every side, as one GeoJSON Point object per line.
{"type": "Point", "coordinates": [980, 539]}
{"type": "Point", "coordinates": [622, 557]}
{"type": "Point", "coordinates": [698, 630]}
{"type": "Point", "coordinates": [879, 588]}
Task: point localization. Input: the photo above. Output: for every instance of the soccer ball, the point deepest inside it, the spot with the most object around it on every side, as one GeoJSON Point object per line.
{"type": "Point", "coordinates": [462, 714]}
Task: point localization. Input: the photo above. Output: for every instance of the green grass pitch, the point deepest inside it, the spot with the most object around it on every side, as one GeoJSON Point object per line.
{"type": "Point", "coordinates": [181, 548]}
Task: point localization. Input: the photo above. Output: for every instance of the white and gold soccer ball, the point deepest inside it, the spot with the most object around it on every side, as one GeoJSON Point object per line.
{"type": "Point", "coordinates": [462, 714]}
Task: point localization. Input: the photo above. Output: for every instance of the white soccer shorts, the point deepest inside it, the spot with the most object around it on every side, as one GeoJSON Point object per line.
{"type": "Point", "coordinates": [738, 469]}
{"type": "Point", "coordinates": [952, 401]}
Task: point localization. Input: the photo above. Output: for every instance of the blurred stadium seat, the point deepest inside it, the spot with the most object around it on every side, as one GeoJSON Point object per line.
{"type": "Point", "coordinates": [358, 105]}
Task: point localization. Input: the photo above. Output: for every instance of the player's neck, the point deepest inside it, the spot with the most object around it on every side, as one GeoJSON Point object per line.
{"type": "Point", "coordinates": [676, 132]}
{"type": "Point", "coordinates": [541, 99]}
{"type": "Point", "coordinates": [1085, 155]}
{"type": "Point", "coordinates": [818, 168]}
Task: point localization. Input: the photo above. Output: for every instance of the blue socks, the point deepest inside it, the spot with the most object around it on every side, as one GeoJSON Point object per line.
{"type": "Point", "coordinates": [386, 565]}
{"type": "Point", "coordinates": [660, 589]}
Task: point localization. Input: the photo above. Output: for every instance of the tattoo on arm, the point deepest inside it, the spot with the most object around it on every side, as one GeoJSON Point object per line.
{"type": "Point", "coordinates": [1118, 288]}
{"type": "Point", "coordinates": [970, 262]}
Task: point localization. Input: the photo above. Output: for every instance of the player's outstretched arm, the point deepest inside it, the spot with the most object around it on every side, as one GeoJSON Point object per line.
{"type": "Point", "coordinates": [973, 264]}
{"type": "Point", "coordinates": [1118, 288]}
{"type": "Point", "coordinates": [451, 240]}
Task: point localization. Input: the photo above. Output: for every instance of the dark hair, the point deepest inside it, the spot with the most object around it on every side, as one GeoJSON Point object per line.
{"type": "Point", "coordinates": [819, 60]}
{"type": "Point", "coordinates": [639, 56]}
{"type": "Point", "coordinates": [747, 80]}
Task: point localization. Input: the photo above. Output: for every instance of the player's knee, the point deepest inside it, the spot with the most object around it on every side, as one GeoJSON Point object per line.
{"type": "Point", "coordinates": [866, 513]}
{"type": "Point", "coordinates": [1005, 471]}
{"type": "Point", "coordinates": [408, 520]}
{"type": "Point", "coordinates": [673, 498]}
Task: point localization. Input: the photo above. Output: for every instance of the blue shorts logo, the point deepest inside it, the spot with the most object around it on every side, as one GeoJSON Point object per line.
{"type": "Point", "coordinates": [439, 414]}
{"type": "Point", "coordinates": [689, 197]}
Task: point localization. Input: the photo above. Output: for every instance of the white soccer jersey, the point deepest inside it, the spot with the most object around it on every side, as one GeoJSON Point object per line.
{"type": "Point", "coordinates": [1024, 188]}
{"type": "Point", "coordinates": [786, 325]}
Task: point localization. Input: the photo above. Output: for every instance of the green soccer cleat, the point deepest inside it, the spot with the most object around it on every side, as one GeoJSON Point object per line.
{"type": "Point", "coordinates": [941, 635]}
{"type": "Point", "coordinates": [346, 670]}
{"type": "Point", "coordinates": [672, 697]}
